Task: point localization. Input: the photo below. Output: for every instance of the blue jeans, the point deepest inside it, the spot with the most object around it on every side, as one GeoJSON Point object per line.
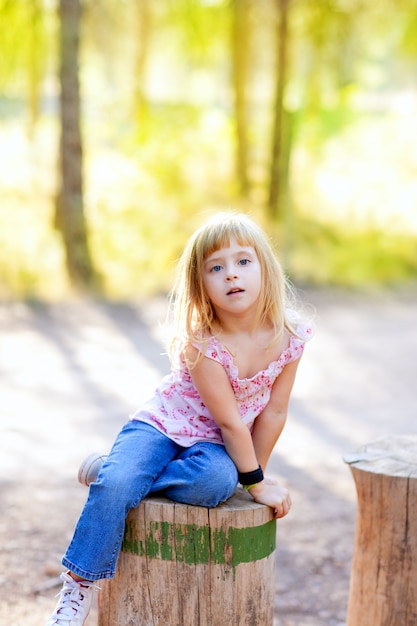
{"type": "Point", "coordinates": [142, 461]}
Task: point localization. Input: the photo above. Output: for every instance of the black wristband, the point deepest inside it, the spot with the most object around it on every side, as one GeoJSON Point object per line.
{"type": "Point", "coordinates": [250, 478]}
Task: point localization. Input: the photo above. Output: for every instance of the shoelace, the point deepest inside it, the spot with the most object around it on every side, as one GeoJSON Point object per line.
{"type": "Point", "coordinates": [72, 598]}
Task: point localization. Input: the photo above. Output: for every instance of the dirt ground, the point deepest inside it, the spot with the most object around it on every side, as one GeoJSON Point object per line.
{"type": "Point", "coordinates": [70, 374]}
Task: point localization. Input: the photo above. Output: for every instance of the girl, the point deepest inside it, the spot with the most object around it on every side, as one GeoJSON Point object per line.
{"type": "Point", "coordinates": [212, 422]}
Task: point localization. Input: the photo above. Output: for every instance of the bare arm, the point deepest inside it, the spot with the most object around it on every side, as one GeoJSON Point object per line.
{"type": "Point", "coordinates": [267, 428]}
{"type": "Point", "coordinates": [270, 423]}
{"type": "Point", "coordinates": [216, 392]}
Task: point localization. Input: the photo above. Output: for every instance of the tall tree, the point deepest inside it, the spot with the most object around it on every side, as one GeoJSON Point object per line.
{"type": "Point", "coordinates": [240, 55]}
{"type": "Point", "coordinates": [69, 216]}
{"type": "Point", "coordinates": [34, 61]}
{"type": "Point", "coordinates": [281, 134]}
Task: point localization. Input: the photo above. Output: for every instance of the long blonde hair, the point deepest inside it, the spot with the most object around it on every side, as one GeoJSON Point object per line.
{"type": "Point", "coordinates": [193, 314]}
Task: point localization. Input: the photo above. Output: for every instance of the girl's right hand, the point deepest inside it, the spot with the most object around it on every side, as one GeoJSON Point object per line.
{"type": "Point", "coordinates": [273, 495]}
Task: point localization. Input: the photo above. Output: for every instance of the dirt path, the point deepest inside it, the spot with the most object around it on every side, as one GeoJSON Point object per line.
{"type": "Point", "coordinates": [71, 373]}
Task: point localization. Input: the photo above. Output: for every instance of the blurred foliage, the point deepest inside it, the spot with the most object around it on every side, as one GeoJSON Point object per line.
{"type": "Point", "coordinates": [159, 132]}
{"type": "Point", "coordinates": [331, 255]}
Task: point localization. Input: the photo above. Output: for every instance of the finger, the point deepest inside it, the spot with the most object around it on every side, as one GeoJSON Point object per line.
{"type": "Point", "coordinates": [281, 510]}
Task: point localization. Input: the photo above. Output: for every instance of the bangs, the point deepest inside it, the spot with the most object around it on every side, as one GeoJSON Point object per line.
{"type": "Point", "coordinates": [219, 235]}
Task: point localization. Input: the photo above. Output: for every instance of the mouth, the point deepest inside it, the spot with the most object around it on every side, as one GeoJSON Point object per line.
{"type": "Point", "coordinates": [234, 290]}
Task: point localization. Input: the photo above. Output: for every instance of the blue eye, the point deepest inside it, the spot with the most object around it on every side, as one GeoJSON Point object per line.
{"type": "Point", "coordinates": [244, 262]}
{"type": "Point", "coordinates": [216, 268]}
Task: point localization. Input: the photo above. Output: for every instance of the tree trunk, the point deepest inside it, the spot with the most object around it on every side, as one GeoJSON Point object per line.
{"type": "Point", "coordinates": [70, 219]}
{"type": "Point", "coordinates": [183, 565]}
{"type": "Point", "coordinates": [280, 148]}
{"type": "Point", "coordinates": [240, 50]}
{"type": "Point", "coordinates": [383, 590]}
{"type": "Point", "coordinates": [34, 63]}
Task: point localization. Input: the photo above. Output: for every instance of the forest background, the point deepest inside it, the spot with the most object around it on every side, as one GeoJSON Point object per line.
{"type": "Point", "coordinates": [124, 123]}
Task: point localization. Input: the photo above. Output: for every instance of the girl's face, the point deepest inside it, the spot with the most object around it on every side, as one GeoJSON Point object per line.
{"type": "Point", "coordinates": [232, 278]}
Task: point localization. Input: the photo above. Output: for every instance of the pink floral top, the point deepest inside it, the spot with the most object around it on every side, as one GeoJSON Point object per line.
{"type": "Point", "coordinates": [177, 410]}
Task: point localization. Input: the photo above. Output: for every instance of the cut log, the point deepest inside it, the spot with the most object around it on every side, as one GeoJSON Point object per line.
{"type": "Point", "coordinates": [184, 565]}
{"type": "Point", "coordinates": [383, 586]}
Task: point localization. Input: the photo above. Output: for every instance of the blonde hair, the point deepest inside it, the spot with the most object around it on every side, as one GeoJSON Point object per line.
{"type": "Point", "coordinates": [193, 314]}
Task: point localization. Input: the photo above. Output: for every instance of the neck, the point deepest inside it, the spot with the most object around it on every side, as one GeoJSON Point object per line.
{"type": "Point", "coordinates": [233, 325]}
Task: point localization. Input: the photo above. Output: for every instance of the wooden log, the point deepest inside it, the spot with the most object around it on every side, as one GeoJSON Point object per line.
{"type": "Point", "coordinates": [186, 565]}
{"type": "Point", "coordinates": [383, 586]}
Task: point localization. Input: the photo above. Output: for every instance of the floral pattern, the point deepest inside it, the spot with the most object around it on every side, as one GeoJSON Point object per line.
{"type": "Point", "coordinates": [177, 410]}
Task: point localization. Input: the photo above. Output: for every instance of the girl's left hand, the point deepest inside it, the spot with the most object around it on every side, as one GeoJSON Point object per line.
{"type": "Point", "coordinates": [269, 492]}
{"type": "Point", "coordinates": [270, 481]}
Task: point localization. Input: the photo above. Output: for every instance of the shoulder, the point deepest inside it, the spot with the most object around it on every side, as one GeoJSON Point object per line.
{"type": "Point", "coordinates": [298, 326]}
{"type": "Point", "coordinates": [209, 347]}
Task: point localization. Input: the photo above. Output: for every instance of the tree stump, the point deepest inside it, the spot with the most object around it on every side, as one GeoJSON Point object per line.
{"type": "Point", "coordinates": [383, 586]}
{"type": "Point", "coordinates": [184, 565]}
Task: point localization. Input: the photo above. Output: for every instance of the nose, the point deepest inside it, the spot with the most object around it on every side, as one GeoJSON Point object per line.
{"type": "Point", "coordinates": [231, 275]}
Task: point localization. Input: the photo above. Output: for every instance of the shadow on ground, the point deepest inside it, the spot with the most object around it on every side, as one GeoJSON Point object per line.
{"type": "Point", "coordinates": [72, 372]}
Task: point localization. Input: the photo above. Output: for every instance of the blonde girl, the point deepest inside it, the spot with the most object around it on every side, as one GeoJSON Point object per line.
{"type": "Point", "coordinates": [213, 421]}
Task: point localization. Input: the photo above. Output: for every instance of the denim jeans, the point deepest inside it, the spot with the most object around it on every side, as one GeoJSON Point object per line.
{"type": "Point", "coordinates": [142, 461]}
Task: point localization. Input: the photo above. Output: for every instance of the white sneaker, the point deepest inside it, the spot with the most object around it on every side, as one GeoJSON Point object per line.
{"type": "Point", "coordinates": [74, 602]}
{"type": "Point", "coordinates": [90, 468]}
